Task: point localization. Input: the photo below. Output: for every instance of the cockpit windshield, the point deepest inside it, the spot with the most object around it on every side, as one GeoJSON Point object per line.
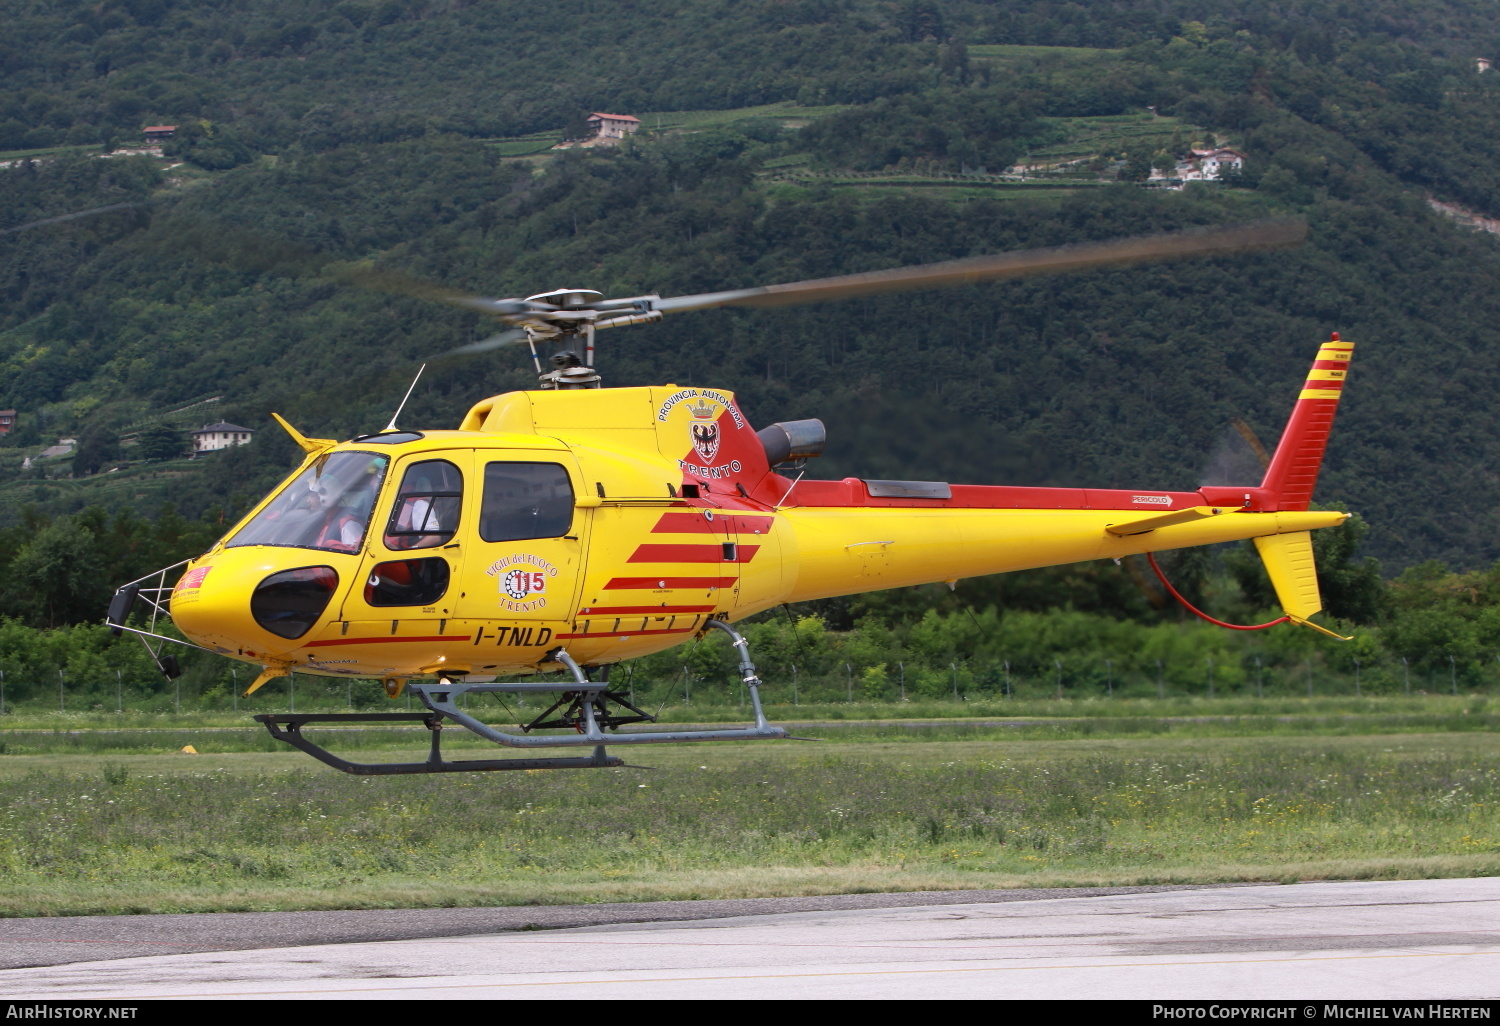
{"type": "Point", "coordinates": [327, 506]}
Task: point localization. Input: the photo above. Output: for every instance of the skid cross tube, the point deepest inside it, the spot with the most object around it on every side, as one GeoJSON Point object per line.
{"type": "Point", "coordinates": [288, 727]}
{"type": "Point", "coordinates": [443, 696]}
{"type": "Point", "coordinates": [585, 697]}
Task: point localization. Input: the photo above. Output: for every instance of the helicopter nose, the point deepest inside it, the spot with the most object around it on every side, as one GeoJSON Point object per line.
{"type": "Point", "coordinates": [246, 602]}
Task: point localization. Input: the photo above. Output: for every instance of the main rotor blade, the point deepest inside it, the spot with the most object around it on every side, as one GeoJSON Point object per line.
{"type": "Point", "coordinates": [71, 217]}
{"type": "Point", "coordinates": [512, 337]}
{"type": "Point", "coordinates": [1243, 238]}
{"type": "Point", "coordinates": [380, 279]}
{"type": "Point", "coordinates": [398, 283]}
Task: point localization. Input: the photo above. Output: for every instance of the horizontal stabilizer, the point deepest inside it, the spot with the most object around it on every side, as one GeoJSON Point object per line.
{"type": "Point", "coordinates": [1151, 523]}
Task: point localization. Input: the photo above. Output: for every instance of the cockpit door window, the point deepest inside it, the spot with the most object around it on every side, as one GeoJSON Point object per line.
{"type": "Point", "coordinates": [427, 506]}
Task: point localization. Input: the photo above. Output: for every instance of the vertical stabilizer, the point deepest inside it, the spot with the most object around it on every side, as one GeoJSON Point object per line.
{"type": "Point", "coordinates": [1294, 469]}
{"type": "Point", "coordinates": [1289, 564]}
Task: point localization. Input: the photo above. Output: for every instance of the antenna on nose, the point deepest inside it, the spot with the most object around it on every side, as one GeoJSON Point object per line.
{"type": "Point", "coordinates": [392, 425]}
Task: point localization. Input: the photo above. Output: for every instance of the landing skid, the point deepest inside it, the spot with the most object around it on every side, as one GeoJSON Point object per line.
{"type": "Point", "coordinates": [587, 707]}
{"type": "Point", "coordinates": [288, 727]}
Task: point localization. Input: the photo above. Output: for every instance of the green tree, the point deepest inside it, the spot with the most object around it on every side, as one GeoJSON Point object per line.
{"type": "Point", "coordinates": [160, 442]}
{"type": "Point", "coordinates": [1137, 166]}
{"type": "Point", "coordinates": [578, 127]}
{"type": "Point", "coordinates": [57, 578]}
{"type": "Point", "coordinates": [97, 447]}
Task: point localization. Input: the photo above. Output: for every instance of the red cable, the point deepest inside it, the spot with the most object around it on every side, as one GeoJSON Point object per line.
{"type": "Point", "coordinates": [1200, 613]}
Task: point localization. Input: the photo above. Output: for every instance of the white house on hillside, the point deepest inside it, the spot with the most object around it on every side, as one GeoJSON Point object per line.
{"type": "Point", "coordinates": [1207, 165]}
{"type": "Point", "coordinates": [212, 437]}
{"type": "Point", "coordinates": [613, 126]}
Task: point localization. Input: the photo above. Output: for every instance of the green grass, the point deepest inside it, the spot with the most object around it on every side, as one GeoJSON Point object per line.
{"type": "Point", "coordinates": [1108, 136]}
{"type": "Point", "coordinates": [718, 707]}
{"type": "Point", "coordinates": [785, 110]}
{"type": "Point", "coordinates": [1077, 716]}
{"type": "Point", "coordinates": [50, 151]}
{"type": "Point", "coordinates": [953, 191]}
{"type": "Point", "coordinates": [386, 742]}
{"type": "Point", "coordinates": [977, 188]}
{"type": "Point", "coordinates": [1227, 790]}
{"type": "Point", "coordinates": [523, 146]}
{"type": "Point", "coordinates": [675, 120]}
{"type": "Point", "coordinates": [1007, 52]}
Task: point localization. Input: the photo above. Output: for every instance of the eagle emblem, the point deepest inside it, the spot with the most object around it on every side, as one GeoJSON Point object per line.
{"type": "Point", "coordinates": [705, 430]}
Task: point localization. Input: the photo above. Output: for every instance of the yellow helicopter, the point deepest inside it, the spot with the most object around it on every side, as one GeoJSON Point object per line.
{"type": "Point", "coordinates": [570, 527]}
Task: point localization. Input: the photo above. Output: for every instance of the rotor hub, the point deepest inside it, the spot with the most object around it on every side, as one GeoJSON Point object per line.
{"type": "Point", "coordinates": [567, 299]}
{"type": "Point", "coordinates": [570, 377]}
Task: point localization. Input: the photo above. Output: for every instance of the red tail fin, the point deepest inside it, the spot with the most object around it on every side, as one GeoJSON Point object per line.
{"type": "Point", "coordinates": [1294, 469]}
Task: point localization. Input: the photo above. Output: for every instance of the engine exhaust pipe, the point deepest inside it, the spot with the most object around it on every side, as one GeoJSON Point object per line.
{"type": "Point", "coordinates": [793, 440]}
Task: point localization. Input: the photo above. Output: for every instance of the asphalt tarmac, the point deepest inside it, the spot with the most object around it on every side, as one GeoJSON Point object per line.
{"type": "Point", "coordinates": [1425, 939]}
{"type": "Point", "coordinates": [56, 940]}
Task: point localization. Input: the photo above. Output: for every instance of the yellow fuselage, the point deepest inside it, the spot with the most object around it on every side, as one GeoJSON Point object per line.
{"type": "Point", "coordinates": [644, 561]}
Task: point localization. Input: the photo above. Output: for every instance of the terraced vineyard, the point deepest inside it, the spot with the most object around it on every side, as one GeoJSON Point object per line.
{"type": "Point", "coordinates": [1109, 138]}
{"type": "Point", "coordinates": [1011, 54]}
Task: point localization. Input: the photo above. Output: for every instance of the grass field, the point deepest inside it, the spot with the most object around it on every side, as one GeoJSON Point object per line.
{"type": "Point", "coordinates": [525, 145]}
{"type": "Point", "coordinates": [7, 156]}
{"type": "Point", "coordinates": [1009, 53]}
{"type": "Point", "coordinates": [33, 732]}
{"type": "Point", "coordinates": [95, 821]}
{"type": "Point", "coordinates": [870, 191]}
{"type": "Point", "coordinates": [786, 110]}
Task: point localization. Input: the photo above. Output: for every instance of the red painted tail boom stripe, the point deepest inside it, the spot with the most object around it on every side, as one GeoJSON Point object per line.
{"type": "Point", "coordinates": [691, 554]}
{"type": "Point", "coordinates": [383, 641]}
{"type": "Point", "coordinates": [722, 523]}
{"type": "Point", "coordinates": [643, 610]}
{"type": "Point", "coordinates": [655, 583]}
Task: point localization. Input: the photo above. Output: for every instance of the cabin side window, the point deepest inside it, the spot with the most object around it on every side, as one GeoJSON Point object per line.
{"type": "Point", "coordinates": [525, 500]}
{"type": "Point", "coordinates": [427, 505]}
{"type": "Point", "coordinates": [407, 582]}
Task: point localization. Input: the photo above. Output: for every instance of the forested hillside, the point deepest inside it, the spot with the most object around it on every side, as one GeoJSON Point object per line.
{"type": "Point", "coordinates": [319, 142]}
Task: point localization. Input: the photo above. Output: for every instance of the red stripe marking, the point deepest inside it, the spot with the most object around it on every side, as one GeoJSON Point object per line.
{"type": "Point", "coordinates": [658, 610]}
{"type": "Point", "coordinates": [1320, 383]}
{"type": "Point", "coordinates": [722, 523]}
{"type": "Point", "coordinates": [652, 583]}
{"type": "Point", "coordinates": [628, 634]}
{"type": "Point", "coordinates": [691, 554]}
{"type": "Point", "coordinates": [851, 492]}
{"type": "Point", "coordinates": [383, 641]}
{"type": "Point", "coordinates": [1342, 365]}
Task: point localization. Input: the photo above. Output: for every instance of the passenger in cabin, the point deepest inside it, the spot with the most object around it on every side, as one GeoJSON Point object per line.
{"type": "Point", "coordinates": [427, 506]}
{"type": "Point", "coordinates": [327, 507]}
{"type": "Point", "coordinates": [348, 514]}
